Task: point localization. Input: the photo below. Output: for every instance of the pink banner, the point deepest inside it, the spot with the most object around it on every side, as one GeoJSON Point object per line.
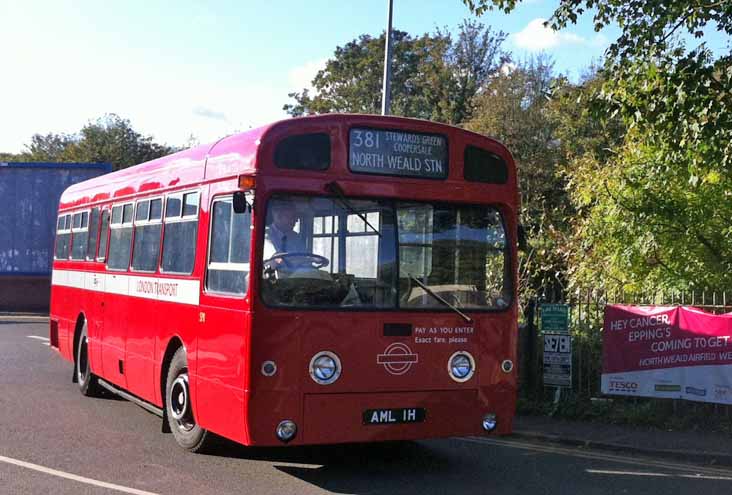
{"type": "Point", "coordinates": [670, 352]}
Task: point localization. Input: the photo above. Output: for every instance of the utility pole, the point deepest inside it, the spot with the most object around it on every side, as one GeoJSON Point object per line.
{"type": "Point", "coordinates": [386, 89]}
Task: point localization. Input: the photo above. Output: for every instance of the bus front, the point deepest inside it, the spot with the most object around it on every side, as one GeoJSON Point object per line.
{"type": "Point", "coordinates": [384, 283]}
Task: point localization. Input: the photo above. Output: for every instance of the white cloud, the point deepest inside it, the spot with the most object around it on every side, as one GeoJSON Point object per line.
{"type": "Point", "coordinates": [302, 76]}
{"type": "Point", "coordinates": [209, 113]}
{"type": "Point", "coordinates": [168, 108]}
{"type": "Point", "coordinates": [507, 68]}
{"type": "Point", "coordinates": [537, 37]}
{"type": "Point", "coordinates": [600, 41]}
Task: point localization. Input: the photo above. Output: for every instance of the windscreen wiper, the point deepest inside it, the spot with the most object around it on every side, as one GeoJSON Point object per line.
{"type": "Point", "coordinates": [432, 293]}
{"type": "Point", "coordinates": [335, 188]}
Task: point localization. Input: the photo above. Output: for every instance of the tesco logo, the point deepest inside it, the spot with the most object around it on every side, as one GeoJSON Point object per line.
{"type": "Point", "coordinates": [616, 386]}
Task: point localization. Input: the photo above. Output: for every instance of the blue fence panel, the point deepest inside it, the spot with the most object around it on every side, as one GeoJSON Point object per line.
{"type": "Point", "coordinates": [29, 195]}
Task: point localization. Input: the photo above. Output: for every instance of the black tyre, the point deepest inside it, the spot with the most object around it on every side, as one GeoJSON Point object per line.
{"type": "Point", "coordinates": [178, 407]}
{"type": "Point", "coordinates": [88, 382]}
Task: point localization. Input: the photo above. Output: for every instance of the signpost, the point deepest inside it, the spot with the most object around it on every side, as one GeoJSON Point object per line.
{"type": "Point", "coordinates": [554, 318]}
{"type": "Point", "coordinates": [557, 346]}
{"type": "Point", "coordinates": [558, 360]}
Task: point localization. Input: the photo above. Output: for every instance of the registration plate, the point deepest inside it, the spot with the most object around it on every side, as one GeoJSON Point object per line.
{"type": "Point", "coordinates": [393, 416]}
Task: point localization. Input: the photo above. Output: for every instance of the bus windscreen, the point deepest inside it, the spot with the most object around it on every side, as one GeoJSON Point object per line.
{"type": "Point", "coordinates": [322, 253]}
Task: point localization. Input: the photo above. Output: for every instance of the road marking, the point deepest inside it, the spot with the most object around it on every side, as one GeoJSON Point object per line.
{"type": "Point", "coordinates": [73, 477]}
{"type": "Point", "coordinates": [628, 473]}
{"type": "Point", "coordinates": [44, 340]}
{"type": "Point", "coordinates": [660, 475]}
{"type": "Point", "coordinates": [23, 318]}
{"type": "Point", "coordinates": [645, 462]}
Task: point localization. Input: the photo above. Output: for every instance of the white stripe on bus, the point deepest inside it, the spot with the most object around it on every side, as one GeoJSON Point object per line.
{"type": "Point", "coordinates": [156, 288]}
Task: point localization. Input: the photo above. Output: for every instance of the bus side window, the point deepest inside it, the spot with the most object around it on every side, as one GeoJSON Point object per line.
{"type": "Point", "coordinates": [63, 237]}
{"type": "Point", "coordinates": [104, 233]}
{"type": "Point", "coordinates": [91, 250]}
{"type": "Point", "coordinates": [180, 232]}
{"type": "Point", "coordinates": [229, 248]}
{"type": "Point", "coordinates": [80, 238]}
{"type": "Point", "coordinates": [120, 242]}
{"type": "Point", "coordinates": [148, 227]}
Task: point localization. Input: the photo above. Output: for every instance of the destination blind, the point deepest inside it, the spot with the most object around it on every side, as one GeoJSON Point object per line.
{"type": "Point", "coordinates": [408, 154]}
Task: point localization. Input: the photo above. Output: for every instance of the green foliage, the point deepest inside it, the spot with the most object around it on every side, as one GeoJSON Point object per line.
{"type": "Point", "coordinates": [433, 76]}
{"type": "Point", "coordinates": [8, 157]}
{"type": "Point", "coordinates": [646, 25]}
{"type": "Point", "coordinates": [513, 108]}
{"type": "Point", "coordinates": [652, 207]}
{"type": "Point", "coordinates": [655, 213]}
{"type": "Point", "coordinates": [109, 139]}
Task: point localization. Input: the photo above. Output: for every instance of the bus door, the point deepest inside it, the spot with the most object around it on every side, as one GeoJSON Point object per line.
{"type": "Point", "coordinates": [96, 282]}
{"type": "Point", "coordinates": [117, 299]}
{"type": "Point", "coordinates": [142, 323]}
{"type": "Point", "coordinates": [224, 318]}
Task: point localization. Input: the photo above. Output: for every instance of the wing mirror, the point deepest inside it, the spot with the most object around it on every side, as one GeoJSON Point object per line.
{"type": "Point", "coordinates": [240, 202]}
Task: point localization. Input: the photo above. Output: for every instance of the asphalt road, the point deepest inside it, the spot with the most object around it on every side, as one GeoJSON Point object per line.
{"type": "Point", "coordinates": [54, 441]}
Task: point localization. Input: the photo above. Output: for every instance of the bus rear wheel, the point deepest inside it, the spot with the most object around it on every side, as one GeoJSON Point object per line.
{"type": "Point", "coordinates": [179, 408]}
{"type": "Point", "coordinates": [88, 383]}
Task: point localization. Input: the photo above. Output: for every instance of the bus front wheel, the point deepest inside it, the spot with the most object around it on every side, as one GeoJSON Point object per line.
{"type": "Point", "coordinates": [88, 384]}
{"type": "Point", "coordinates": [179, 408]}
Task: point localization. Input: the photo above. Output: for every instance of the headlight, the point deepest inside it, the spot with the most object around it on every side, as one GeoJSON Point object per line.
{"type": "Point", "coordinates": [286, 430]}
{"type": "Point", "coordinates": [461, 366]}
{"type": "Point", "coordinates": [325, 368]}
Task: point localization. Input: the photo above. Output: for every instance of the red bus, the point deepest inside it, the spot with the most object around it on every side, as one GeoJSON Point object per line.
{"type": "Point", "coordinates": [327, 279]}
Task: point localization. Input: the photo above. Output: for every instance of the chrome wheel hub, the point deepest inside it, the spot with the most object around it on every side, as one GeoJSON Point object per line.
{"type": "Point", "coordinates": [180, 404]}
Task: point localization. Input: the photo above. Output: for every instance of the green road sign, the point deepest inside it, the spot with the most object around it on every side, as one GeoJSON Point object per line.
{"type": "Point", "coordinates": [554, 318]}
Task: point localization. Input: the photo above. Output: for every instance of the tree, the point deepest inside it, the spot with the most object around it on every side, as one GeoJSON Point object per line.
{"type": "Point", "coordinates": [656, 214]}
{"type": "Point", "coordinates": [49, 147]}
{"type": "Point", "coordinates": [655, 210]}
{"type": "Point", "coordinates": [8, 157]}
{"type": "Point", "coordinates": [647, 26]}
{"type": "Point", "coordinates": [108, 139]}
{"type": "Point", "coordinates": [513, 107]}
{"type": "Point", "coordinates": [433, 76]}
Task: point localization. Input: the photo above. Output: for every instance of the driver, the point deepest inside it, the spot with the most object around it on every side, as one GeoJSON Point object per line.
{"type": "Point", "coordinates": [279, 236]}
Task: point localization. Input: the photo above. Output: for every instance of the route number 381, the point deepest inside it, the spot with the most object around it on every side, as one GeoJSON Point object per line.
{"type": "Point", "coordinates": [367, 139]}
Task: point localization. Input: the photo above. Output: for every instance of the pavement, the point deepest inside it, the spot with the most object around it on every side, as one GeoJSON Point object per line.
{"type": "Point", "coordinates": [695, 446]}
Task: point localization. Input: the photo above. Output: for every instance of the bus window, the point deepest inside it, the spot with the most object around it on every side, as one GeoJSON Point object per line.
{"type": "Point", "coordinates": [324, 252]}
{"type": "Point", "coordinates": [459, 252]}
{"type": "Point", "coordinates": [63, 237]}
{"type": "Point", "coordinates": [103, 234]}
{"type": "Point", "coordinates": [80, 237]}
{"type": "Point", "coordinates": [304, 152]}
{"type": "Point", "coordinates": [179, 237]}
{"type": "Point", "coordinates": [228, 265]}
{"type": "Point", "coordinates": [484, 166]}
{"type": "Point", "coordinates": [146, 247]}
{"type": "Point", "coordinates": [91, 250]}
{"type": "Point", "coordinates": [156, 209]}
{"type": "Point", "coordinates": [120, 242]}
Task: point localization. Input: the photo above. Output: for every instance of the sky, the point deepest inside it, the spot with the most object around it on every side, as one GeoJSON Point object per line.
{"type": "Point", "coordinates": [206, 69]}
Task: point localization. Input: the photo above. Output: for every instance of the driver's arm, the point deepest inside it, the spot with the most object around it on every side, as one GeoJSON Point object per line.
{"type": "Point", "coordinates": [269, 249]}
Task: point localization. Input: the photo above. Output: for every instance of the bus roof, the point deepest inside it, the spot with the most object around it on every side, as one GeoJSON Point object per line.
{"type": "Point", "coordinates": [236, 154]}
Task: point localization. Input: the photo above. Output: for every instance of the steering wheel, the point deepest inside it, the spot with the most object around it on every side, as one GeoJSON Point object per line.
{"type": "Point", "coordinates": [315, 260]}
